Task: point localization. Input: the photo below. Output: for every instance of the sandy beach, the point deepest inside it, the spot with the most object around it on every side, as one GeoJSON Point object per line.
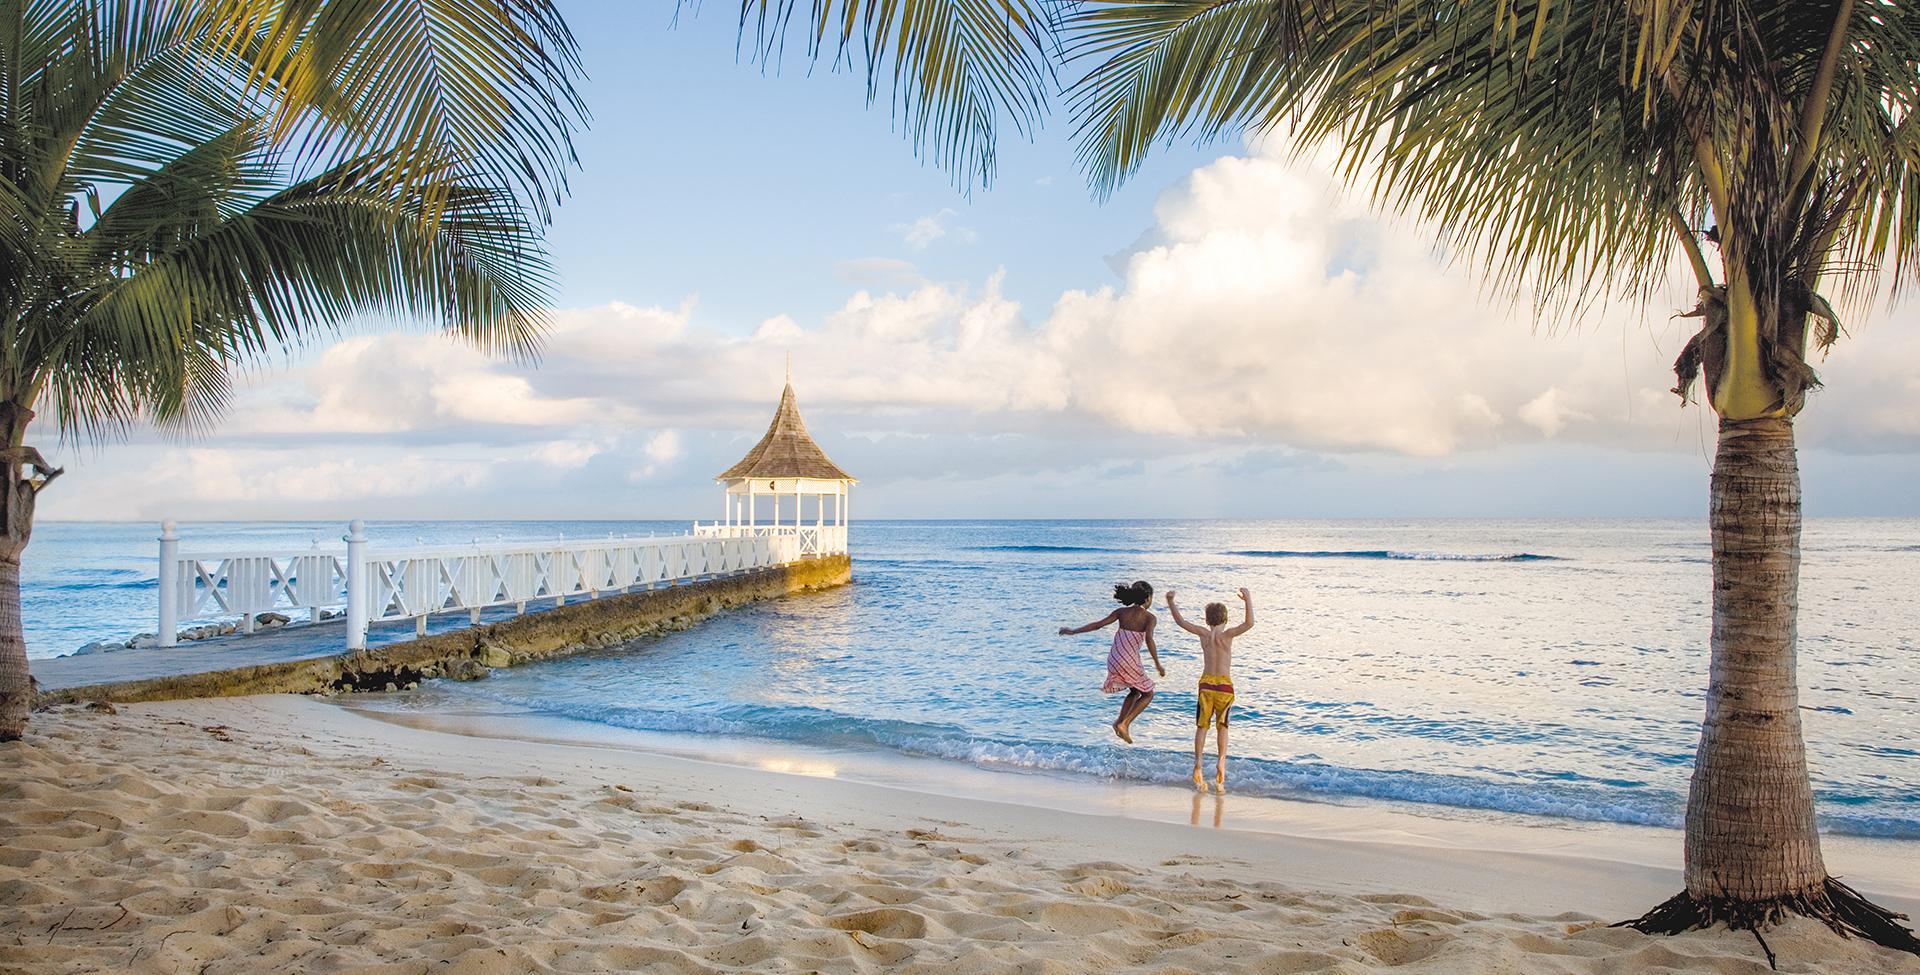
{"type": "Point", "coordinates": [290, 834]}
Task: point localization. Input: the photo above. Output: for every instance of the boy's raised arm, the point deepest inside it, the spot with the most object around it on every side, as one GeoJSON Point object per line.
{"type": "Point", "coordinates": [1181, 621]}
{"type": "Point", "coordinates": [1090, 627]}
{"type": "Point", "coordinates": [1246, 599]}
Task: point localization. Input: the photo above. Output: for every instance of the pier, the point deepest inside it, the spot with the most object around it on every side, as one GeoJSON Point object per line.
{"type": "Point", "coordinates": [368, 616]}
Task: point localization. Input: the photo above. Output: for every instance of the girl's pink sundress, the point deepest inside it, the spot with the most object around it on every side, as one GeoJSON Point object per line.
{"type": "Point", "coordinates": [1123, 663]}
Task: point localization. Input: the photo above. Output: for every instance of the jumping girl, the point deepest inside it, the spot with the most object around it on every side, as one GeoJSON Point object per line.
{"type": "Point", "coordinates": [1123, 661]}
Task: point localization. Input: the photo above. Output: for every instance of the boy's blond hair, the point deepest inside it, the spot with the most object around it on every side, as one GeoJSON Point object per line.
{"type": "Point", "coordinates": [1216, 614]}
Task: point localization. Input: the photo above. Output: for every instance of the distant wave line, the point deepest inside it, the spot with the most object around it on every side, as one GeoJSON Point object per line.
{"type": "Point", "coordinates": [1057, 548]}
{"type": "Point", "coordinates": [1393, 555]}
{"type": "Point", "coordinates": [145, 583]}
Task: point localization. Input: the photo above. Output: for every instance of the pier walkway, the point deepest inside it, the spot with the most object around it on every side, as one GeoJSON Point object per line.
{"type": "Point", "coordinates": [299, 641]}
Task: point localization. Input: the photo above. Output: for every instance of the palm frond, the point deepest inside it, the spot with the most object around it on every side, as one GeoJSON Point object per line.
{"type": "Point", "coordinates": [1169, 68]}
{"type": "Point", "coordinates": [154, 88]}
{"type": "Point", "coordinates": [295, 266]}
{"type": "Point", "coordinates": [487, 81]}
{"type": "Point", "coordinates": [189, 187]}
{"type": "Point", "coordinates": [954, 68]}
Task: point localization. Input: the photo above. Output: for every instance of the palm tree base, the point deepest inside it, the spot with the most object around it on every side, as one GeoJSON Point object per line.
{"type": "Point", "coordinates": [1830, 902]}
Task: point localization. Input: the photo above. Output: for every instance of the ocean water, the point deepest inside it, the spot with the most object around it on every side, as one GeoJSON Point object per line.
{"type": "Point", "coordinates": [1542, 668]}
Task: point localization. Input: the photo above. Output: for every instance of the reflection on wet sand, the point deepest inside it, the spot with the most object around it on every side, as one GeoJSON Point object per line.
{"type": "Point", "coordinates": [1219, 808]}
{"type": "Point", "coordinates": [819, 770]}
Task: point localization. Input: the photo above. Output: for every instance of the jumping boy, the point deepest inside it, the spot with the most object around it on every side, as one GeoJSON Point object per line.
{"type": "Point", "coordinates": [1216, 681]}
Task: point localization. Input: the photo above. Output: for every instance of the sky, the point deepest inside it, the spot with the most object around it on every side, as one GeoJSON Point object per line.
{"type": "Point", "coordinates": [1233, 334]}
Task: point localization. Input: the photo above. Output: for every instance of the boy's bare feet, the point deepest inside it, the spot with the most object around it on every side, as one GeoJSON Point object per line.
{"type": "Point", "coordinates": [1199, 781]}
{"type": "Point", "coordinates": [1219, 781]}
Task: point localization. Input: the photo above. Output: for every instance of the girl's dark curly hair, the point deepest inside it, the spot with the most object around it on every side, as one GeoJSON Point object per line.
{"type": "Point", "coordinates": [1133, 594]}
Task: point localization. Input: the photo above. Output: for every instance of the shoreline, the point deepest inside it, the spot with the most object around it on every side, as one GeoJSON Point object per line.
{"type": "Point", "coordinates": [282, 833]}
{"type": "Point", "coordinates": [1651, 853]}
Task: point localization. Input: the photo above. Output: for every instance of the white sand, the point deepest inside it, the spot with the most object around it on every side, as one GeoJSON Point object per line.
{"type": "Point", "coordinates": [285, 834]}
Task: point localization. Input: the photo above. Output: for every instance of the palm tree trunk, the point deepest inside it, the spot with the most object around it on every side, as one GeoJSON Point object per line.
{"type": "Point", "coordinates": [1750, 826]}
{"type": "Point", "coordinates": [16, 685]}
{"type": "Point", "coordinates": [1752, 844]}
{"type": "Point", "coordinates": [16, 527]}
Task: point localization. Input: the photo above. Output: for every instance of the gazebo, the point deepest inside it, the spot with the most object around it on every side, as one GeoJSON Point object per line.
{"type": "Point", "coordinates": [786, 468]}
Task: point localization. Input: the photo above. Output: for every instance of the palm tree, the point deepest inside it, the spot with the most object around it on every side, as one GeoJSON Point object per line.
{"type": "Point", "coordinates": [1576, 149]}
{"type": "Point", "coordinates": [189, 187]}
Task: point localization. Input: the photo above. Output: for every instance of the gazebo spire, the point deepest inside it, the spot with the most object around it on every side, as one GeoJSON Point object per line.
{"type": "Point", "coordinates": [787, 450]}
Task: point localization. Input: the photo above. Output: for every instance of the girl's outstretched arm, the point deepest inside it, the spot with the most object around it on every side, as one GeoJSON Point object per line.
{"type": "Point", "coordinates": [1090, 627]}
{"type": "Point", "coordinates": [1152, 648]}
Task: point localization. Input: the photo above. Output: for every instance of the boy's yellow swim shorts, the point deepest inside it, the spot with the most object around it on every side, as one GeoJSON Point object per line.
{"type": "Point", "coordinates": [1216, 696]}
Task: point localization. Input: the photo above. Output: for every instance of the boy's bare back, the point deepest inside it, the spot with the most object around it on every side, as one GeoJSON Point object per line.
{"type": "Point", "coordinates": [1216, 641]}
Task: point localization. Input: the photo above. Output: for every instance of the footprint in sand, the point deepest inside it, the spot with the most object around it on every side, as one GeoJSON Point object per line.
{"type": "Point", "coordinates": [1392, 948]}
{"type": "Point", "coordinates": [883, 922]}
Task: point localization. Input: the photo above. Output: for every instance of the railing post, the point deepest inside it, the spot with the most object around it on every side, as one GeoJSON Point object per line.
{"type": "Point", "coordinates": [357, 596]}
{"type": "Point", "coordinates": [169, 584]}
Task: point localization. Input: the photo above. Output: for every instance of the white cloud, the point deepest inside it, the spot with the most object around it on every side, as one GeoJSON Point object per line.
{"type": "Point", "coordinates": [664, 446]}
{"type": "Point", "coordinates": [660, 450]}
{"type": "Point", "coordinates": [779, 328]}
{"type": "Point", "coordinates": [282, 475]}
{"type": "Point", "coordinates": [923, 231]}
{"type": "Point", "coordinates": [1547, 414]}
{"type": "Point", "coordinates": [567, 454]}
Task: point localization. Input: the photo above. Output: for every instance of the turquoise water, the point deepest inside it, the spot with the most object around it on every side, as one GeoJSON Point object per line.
{"type": "Point", "coordinates": [1542, 668]}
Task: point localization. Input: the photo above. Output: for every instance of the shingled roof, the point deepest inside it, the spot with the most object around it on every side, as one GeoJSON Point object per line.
{"type": "Point", "coordinates": [786, 450]}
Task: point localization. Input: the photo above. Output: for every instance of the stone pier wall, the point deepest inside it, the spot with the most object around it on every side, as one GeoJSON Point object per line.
{"type": "Point", "coordinates": [471, 652]}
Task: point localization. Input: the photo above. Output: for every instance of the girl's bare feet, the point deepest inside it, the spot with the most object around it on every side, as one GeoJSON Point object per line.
{"type": "Point", "coordinates": [1121, 732]}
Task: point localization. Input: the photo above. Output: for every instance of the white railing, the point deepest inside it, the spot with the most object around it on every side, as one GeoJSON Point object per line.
{"type": "Point", "coordinates": [204, 586]}
{"type": "Point", "coordinates": [812, 539]}
{"type": "Point", "coordinates": [373, 586]}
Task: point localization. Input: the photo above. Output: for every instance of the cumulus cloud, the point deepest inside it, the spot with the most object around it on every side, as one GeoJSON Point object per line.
{"type": "Point", "coordinates": [923, 231]}
{"type": "Point", "coordinates": [659, 451]}
{"type": "Point", "coordinates": [567, 454]}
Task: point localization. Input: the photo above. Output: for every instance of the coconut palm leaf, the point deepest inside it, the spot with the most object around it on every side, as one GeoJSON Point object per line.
{"type": "Point", "coordinates": [279, 271]}
{"type": "Point", "coordinates": [954, 69]}
{"type": "Point", "coordinates": [488, 81]}
{"type": "Point", "coordinates": [158, 218]}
